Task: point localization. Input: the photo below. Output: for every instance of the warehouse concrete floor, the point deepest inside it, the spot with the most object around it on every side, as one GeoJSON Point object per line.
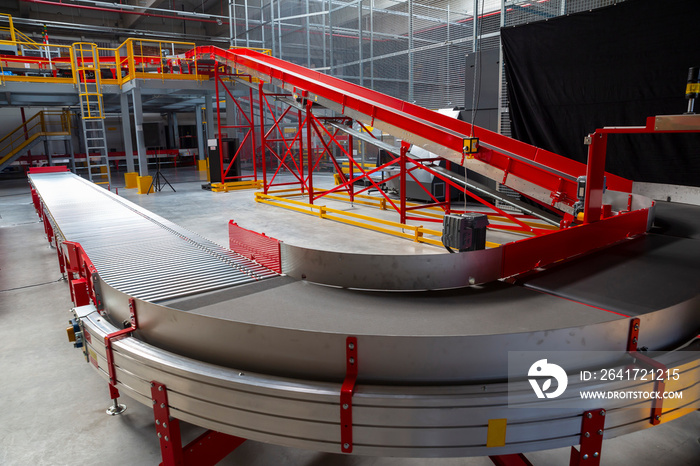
{"type": "Point", "coordinates": [52, 403]}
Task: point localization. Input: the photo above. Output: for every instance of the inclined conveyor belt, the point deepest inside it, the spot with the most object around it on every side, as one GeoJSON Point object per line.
{"type": "Point", "coordinates": [136, 251]}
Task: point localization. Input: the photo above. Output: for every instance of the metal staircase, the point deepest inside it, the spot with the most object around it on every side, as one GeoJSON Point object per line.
{"type": "Point", "coordinates": [42, 127]}
{"type": "Point", "coordinates": [87, 68]}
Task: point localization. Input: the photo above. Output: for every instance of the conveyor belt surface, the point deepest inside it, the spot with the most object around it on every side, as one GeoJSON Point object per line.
{"type": "Point", "coordinates": [136, 251]}
{"type": "Point", "coordinates": [642, 275]}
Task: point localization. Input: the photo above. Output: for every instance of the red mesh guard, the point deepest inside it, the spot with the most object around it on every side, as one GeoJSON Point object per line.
{"type": "Point", "coordinates": [255, 246]}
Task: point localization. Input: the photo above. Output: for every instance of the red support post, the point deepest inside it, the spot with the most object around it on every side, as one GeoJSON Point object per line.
{"type": "Point", "coordinates": [591, 440]}
{"type": "Point", "coordinates": [218, 123]}
{"type": "Point", "coordinates": [351, 162]}
{"type": "Point", "coordinates": [301, 151]}
{"type": "Point", "coordinates": [659, 371]}
{"type": "Point", "coordinates": [402, 194]}
{"type": "Point", "coordinates": [346, 392]}
{"type": "Point", "coordinates": [595, 177]}
{"type": "Point", "coordinates": [206, 450]}
{"type": "Point", "coordinates": [263, 143]}
{"type": "Point", "coordinates": [309, 152]}
{"type": "Point", "coordinates": [111, 338]}
{"type": "Point", "coordinates": [48, 229]}
{"type": "Point", "coordinates": [61, 260]}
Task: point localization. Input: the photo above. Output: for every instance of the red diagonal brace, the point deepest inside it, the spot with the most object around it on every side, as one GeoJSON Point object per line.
{"type": "Point", "coordinates": [592, 429]}
{"type": "Point", "coordinates": [346, 393]}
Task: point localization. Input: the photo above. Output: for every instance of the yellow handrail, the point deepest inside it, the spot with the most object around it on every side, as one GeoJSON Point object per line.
{"type": "Point", "coordinates": [11, 27]}
{"type": "Point", "coordinates": [132, 59]}
{"type": "Point", "coordinates": [415, 233]}
{"type": "Point", "coordinates": [26, 40]}
{"type": "Point", "coordinates": [42, 124]}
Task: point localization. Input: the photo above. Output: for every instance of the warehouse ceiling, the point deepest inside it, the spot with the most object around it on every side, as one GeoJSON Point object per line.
{"type": "Point", "coordinates": [199, 20]}
{"type": "Point", "coordinates": [203, 21]}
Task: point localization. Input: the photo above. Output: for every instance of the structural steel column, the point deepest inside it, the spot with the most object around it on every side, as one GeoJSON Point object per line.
{"type": "Point", "coordinates": [359, 45]}
{"type": "Point", "coordinates": [371, 45]}
{"type": "Point", "coordinates": [201, 142]}
{"type": "Point", "coordinates": [410, 51]}
{"type": "Point", "coordinates": [330, 38]}
{"type": "Point", "coordinates": [176, 131]}
{"type": "Point", "coordinates": [501, 70]}
{"type": "Point", "coordinates": [126, 132]}
{"type": "Point", "coordinates": [475, 28]}
{"type": "Point", "coordinates": [209, 109]}
{"type": "Point", "coordinates": [138, 123]}
{"type": "Point", "coordinates": [71, 152]}
{"type": "Point", "coordinates": [47, 152]}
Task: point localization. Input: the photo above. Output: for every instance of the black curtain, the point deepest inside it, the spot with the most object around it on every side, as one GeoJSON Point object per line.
{"type": "Point", "coordinates": [613, 66]}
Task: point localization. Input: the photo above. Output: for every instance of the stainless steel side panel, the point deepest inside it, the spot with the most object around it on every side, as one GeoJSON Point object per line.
{"type": "Point", "coordinates": [392, 272]}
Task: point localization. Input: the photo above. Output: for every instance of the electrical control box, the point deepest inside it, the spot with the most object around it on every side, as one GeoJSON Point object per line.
{"type": "Point", "coordinates": [465, 232]}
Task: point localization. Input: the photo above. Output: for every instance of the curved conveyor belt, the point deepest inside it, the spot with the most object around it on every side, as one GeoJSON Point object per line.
{"type": "Point", "coordinates": [261, 356]}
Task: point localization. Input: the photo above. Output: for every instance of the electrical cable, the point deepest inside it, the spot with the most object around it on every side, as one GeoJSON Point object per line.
{"type": "Point", "coordinates": [31, 286]}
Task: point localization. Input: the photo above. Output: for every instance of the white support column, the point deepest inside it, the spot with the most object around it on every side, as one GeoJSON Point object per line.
{"type": "Point", "coordinates": [126, 132]}
{"type": "Point", "coordinates": [138, 123]}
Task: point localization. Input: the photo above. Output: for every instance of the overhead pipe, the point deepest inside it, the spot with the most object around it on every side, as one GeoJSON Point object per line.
{"type": "Point", "coordinates": [123, 11]}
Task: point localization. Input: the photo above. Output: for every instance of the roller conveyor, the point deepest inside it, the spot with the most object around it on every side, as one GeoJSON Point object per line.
{"type": "Point", "coordinates": [139, 253]}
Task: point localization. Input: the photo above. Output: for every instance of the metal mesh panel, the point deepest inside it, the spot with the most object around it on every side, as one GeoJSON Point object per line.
{"type": "Point", "coordinates": [410, 49]}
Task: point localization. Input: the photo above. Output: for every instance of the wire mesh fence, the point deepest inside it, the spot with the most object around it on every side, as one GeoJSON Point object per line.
{"type": "Point", "coordinates": [411, 49]}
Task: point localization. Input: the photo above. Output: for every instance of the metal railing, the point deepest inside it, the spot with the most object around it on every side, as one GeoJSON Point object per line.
{"type": "Point", "coordinates": [44, 123]}
{"type": "Point", "coordinates": [132, 59]}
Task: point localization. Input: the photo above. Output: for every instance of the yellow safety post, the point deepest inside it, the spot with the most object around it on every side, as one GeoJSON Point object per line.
{"type": "Point", "coordinates": [131, 180]}
{"type": "Point", "coordinates": [144, 184]}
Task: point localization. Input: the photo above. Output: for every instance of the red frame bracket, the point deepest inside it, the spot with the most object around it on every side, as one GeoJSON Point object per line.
{"type": "Point", "coordinates": [633, 338]}
{"type": "Point", "coordinates": [115, 336]}
{"type": "Point", "coordinates": [208, 449]}
{"type": "Point", "coordinates": [659, 382]}
{"type": "Point", "coordinates": [592, 430]}
{"type": "Point", "coordinates": [346, 393]}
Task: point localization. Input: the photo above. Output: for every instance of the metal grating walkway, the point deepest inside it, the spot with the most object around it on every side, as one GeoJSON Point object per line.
{"type": "Point", "coordinates": [136, 251]}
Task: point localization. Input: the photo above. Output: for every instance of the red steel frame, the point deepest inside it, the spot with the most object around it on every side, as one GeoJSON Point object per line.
{"type": "Point", "coordinates": [318, 134]}
{"type": "Point", "coordinates": [249, 128]}
{"type": "Point", "coordinates": [595, 169]}
{"type": "Point", "coordinates": [546, 169]}
{"type": "Point", "coordinates": [291, 158]}
{"type": "Point", "coordinates": [208, 449]}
